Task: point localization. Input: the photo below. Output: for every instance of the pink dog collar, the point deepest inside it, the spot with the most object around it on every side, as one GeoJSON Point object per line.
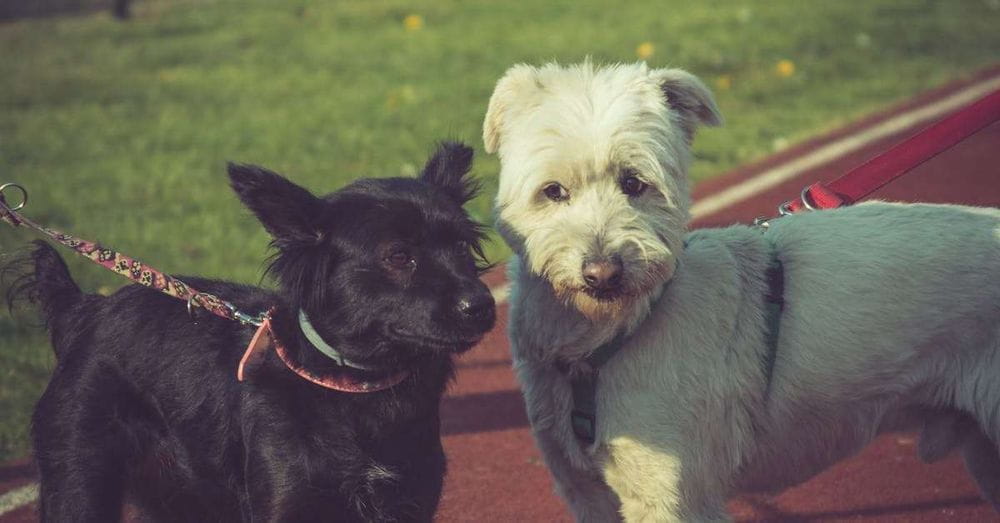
{"type": "Point", "coordinates": [343, 380]}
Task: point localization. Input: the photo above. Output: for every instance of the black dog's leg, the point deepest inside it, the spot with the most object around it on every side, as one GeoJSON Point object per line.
{"type": "Point", "coordinates": [418, 452]}
{"type": "Point", "coordinates": [80, 445]}
{"type": "Point", "coordinates": [291, 480]}
{"type": "Point", "coordinates": [279, 488]}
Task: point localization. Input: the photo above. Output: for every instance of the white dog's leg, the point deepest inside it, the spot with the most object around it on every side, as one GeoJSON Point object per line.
{"type": "Point", "coordinates": [547, 396]}
{"type": "Point", "coordinates": [650, 483]}
{"type": "Point", "coordinates": [982, 460]}
{"type": "Point", "coordinates": [588, 497]}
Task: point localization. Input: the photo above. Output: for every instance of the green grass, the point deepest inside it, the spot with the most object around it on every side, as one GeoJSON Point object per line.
{"type": "Point", "coordinates": [121, 130]}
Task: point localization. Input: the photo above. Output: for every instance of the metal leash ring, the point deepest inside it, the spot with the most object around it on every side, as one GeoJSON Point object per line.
{"type": "Point", "coordinates": [785, 209]}
{"type": "Point", "coordinates": [24, 196]}
{"type": "Point", "coordinates": [804, 198]}
{"type": "Point", "coordinates": [190, 309]}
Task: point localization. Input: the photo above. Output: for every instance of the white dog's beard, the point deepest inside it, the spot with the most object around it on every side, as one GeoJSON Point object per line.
{"type": "Point", "coordinates": [638, 287]}
{"type": "Point", "coordinates": [596, 309]}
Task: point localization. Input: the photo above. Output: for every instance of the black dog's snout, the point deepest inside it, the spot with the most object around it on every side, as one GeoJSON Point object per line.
{"type": "Point", "coordinates": [476, 306]}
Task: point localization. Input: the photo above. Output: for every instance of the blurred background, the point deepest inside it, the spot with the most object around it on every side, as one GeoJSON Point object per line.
{"type": "Point", "coordinates": [119, 116]}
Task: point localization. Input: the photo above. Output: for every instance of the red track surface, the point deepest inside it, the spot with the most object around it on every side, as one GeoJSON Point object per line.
{"type": "Point", "coordinates": [496, 474]}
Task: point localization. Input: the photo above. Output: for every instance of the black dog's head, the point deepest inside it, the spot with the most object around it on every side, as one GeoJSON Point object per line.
{"type": "Point", "coordinates": [386, 270]}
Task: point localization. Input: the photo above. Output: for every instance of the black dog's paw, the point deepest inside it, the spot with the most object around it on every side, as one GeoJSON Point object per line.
{"type": "Point", "coordinates": [376, 493]}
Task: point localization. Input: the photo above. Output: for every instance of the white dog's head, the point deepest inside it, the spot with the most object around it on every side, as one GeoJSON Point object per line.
{"type": "Point", "coordinates": [593, 186]}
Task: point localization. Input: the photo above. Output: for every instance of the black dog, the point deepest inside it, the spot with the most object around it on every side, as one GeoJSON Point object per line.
{"type": "Point", "coordinates": [144, 404]}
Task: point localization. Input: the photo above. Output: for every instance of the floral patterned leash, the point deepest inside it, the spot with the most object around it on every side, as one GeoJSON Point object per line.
{"type": "Point", "coordinates": [127, 266]}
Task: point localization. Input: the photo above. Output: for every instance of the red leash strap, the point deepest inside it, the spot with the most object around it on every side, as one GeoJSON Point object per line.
{"type": "Point", "coordinates": [886, 167]}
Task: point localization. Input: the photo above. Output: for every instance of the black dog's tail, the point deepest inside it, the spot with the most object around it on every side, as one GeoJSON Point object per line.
{"type": "Point", "coordinates": [42, 279]}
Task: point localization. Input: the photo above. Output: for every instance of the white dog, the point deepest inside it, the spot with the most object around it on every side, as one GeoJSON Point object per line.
{"type": "Point", "coordinates": [890, 319]}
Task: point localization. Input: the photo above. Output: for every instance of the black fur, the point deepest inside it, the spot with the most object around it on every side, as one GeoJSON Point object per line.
{"type": "Point", "coordinates": [144, 404]}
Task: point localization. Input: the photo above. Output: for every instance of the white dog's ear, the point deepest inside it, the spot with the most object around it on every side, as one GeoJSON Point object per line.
{"type": "Point", "coordinates": [513, 84]}
{"type": "Point", "coordinates": [687, 95]}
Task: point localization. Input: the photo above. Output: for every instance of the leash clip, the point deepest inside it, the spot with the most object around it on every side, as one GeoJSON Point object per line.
{"type": "Point", "coordinates": [245, 318]}
{"type": "Point", "coordinates": [786, 208]}
{"type": "Point", "coordinates": [7, 213]}
{"type": "Point", "coordinates": [236, 314]}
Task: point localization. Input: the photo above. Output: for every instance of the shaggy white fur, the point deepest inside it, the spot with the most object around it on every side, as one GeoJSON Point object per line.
{"type": "Point", "coordinates": [891, 318]}
{"type": "Point", "coordinates": [585, 129]}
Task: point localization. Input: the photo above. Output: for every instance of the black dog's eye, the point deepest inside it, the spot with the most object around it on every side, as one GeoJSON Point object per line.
{"type": "Point", "coordinates": [556, 192]}
{"type": "Point", "coordinates": [400, 259]}
{"type": "Point", "coordinates": [462, 248]}
{"type": "Point", "coordinates": [632, 185]}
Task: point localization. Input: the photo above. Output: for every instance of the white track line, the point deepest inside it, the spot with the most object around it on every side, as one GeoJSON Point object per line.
{"type": "Point", "coordinates": [827, 153]}
{"type": "Point", "coordinates": [17, 498]}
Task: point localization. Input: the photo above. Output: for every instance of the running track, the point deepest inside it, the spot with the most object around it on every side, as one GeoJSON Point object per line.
{"type": "Point", "coordinates": [497, 475]}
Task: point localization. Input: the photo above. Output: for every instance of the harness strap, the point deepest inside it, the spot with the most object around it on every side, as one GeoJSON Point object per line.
{"type": "Point", "coordinates": [604, 353]}
{"type": "Point", "coordinates": [583, 416]}
{"type": "Point", "coordinates": [775, 304]}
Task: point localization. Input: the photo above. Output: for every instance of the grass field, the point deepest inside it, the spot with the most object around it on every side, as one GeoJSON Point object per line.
{"type": "Point", "coordinates": [121, 130]}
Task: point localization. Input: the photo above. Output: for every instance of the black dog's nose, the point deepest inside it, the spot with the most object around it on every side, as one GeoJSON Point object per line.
{"type": "Point", "coordinates": [476, 305]}
{"type": "Point", "coordinates": [603, 275]}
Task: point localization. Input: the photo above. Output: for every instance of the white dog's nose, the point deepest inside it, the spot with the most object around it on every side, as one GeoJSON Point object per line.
{"type": "Point", "coordinates": [604, 274]}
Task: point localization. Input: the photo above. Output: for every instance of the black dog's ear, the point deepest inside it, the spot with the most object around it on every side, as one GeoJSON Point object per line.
{"type": "Point", "coordinates": [448, 168]}
{"type": "Point", "coordinates": [286, 210]}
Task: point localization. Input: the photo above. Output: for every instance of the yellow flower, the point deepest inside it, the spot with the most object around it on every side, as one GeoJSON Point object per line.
{"type": "Point", "coordinates": [723, 82]}
{"type": "Point", "coordinates": [644, 50]}
{"type": "Point", "coordinates": [784, 68]}
{"type": "Point", "coordinates": [405, 94]}
{"type": "Point", "coordinates": [413, 22]}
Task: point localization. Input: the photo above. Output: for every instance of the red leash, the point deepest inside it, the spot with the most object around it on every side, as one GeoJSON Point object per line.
{"type": "Point", "coordinates": [263, 340]}
{"type": "Point", "coordinates": [886, 167]}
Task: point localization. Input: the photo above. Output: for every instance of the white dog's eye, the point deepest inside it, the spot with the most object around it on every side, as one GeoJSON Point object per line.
{"type": "Point", "coordinates": [556, 192]}
{"type": "Point", "coordinates": [632, 185]}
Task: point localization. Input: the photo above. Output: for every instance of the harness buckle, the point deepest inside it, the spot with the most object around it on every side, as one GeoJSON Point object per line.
{"type": "Point", "coordinates": [584, 426]}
